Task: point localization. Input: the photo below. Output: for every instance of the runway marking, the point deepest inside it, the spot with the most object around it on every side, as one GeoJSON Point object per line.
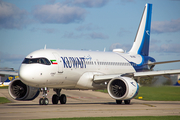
{"type": "Point", "coordinates": [149, 105]}
{"type": "Point", "coordinates": [82, 110]}
{"type": "Point", "coordinates": [84, 97]}
{"type": "Point", "coordinates": [78, 97]}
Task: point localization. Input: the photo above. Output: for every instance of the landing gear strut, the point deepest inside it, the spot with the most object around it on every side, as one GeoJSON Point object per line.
{"type": "Point", "coordinates": [44, 100]}
{"type": "Point", "coordinates": [56, 97]}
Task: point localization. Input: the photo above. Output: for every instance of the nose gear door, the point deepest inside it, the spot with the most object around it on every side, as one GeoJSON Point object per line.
{"type": "Point", "coordinates": [58, 62]}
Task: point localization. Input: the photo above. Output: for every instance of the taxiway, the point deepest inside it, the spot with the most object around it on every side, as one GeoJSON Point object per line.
{"type": "Point", "coordinates": [84, 104]}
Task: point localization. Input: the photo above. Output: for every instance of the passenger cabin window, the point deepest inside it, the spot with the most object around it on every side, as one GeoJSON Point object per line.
{"type": "Point", "coordinates": [36, 60]}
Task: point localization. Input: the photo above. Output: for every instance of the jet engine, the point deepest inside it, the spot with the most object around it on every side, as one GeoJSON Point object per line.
{"type": "Point", "coordinates": [19, 91]}
{"type": "Point", "coordinates": [122, 88]}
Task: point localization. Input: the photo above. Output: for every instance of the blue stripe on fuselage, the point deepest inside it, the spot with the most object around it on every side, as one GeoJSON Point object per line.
{"type": "Point", "coordinates": [142, 66]}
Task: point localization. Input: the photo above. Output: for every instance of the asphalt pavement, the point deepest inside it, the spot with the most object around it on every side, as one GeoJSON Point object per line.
{"type": "Point", "coordinates": [84, 104]}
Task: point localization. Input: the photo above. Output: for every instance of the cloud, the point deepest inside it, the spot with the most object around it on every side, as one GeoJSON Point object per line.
{"type": "Point", "coordinates": [46, 30]}
{"type": "Point", "coordinates": [95, 35]}
{"type": "Point", "coordinates": [88, 27]}
{"type": "Point", "coordinates": [123, 31]}
{"type": "Point", "coordinates": [90, 3]}
{"type": "Point", "coordinates": [11, 57]}
{"type": "Point", "coordinates": [154, 47]}
{"type": "Point", "coordinates": [166, 26]}
{"type": "Point", "coordinates": [51, 1]}
{"type": "Point", "coordinates": [59, 13]}
{"type": "Point", "coordinates": [11, 17]}
{"type": "Point", "coordinates": [165, 48]}
{"type": "Point", "coordinates": [125, 47]}
{"type": "Point", "coordinates": [127, 0]}
{"type": "Point", "coordinates": [49, 30]}
{"type": "Point", "coordinates": [72, 35]}
{"type": "Point", "coordinates": [70, 11]}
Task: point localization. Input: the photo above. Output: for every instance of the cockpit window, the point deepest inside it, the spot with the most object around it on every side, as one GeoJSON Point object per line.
{"type": "Point", "coordinates": [36, 60]}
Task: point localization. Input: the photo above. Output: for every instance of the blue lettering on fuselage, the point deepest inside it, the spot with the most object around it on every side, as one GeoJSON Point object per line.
{"type": "Point", "coordinates": [74, 62]}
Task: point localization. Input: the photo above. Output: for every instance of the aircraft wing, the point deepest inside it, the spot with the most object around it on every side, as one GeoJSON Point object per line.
{"type": "Point", "coordinates": [3, 73]}
{"type": "Point", "coordinates": [106, 78]}
{"type": "Point", "coordinates": [156, 73]}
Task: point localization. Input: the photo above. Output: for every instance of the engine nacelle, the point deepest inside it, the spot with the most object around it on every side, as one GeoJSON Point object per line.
{"type": "Point", "coordinates": [19, 91]}
{"type": "Point", "coordinates": [122, 88]}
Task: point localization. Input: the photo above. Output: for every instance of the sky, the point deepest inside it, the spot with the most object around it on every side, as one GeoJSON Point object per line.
{"type": "Point", "coordinates": [29, 25]}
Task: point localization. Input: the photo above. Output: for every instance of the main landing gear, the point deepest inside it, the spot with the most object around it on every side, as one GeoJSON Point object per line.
{"type": "Point", "coordinates": [125, 101]}
{"type": "Point", "coordinates": [56, 97]}
{"type": "Point", "coordinates": [44, 100]}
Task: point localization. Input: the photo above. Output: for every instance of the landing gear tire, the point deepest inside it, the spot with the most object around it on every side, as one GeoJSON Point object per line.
{"type": "Point", "coordinates": [43, 101]}
{"type": "Point", "coordinates": [127, 101]}
{"type": "Point", "coordinates": [118, 101]}
{"type": "Point", "coordinates": [55, 99]}
{"type": "Point", "coordinates": [63, 99]}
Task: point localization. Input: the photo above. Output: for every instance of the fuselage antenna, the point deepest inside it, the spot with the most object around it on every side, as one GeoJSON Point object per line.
{"type": "Point", "coordinates": [44, 47]}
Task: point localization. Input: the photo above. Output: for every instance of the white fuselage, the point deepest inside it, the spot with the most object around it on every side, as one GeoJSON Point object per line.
{"type": "Point", "coordinates": [68, 66]}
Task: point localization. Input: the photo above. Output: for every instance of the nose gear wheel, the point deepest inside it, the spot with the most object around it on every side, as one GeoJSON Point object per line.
{"type": "Point", "coordinates": [44, 100]}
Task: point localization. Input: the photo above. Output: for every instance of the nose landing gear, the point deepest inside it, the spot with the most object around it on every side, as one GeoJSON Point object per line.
{"type": "Point", "coordinates": [44, 100]}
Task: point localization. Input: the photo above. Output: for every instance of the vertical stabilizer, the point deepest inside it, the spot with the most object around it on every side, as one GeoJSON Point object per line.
{"type": "Point", "coordinates": [141, 42]}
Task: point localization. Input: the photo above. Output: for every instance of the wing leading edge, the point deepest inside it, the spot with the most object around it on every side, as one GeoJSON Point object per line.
{"type": "Point", "coordinates": [156, 73]}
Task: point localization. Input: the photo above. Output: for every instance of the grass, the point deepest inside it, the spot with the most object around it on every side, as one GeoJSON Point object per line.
{"type": "Point", "coordinates": [123, 118]}
{"type": "Point", "coordinates": [4, 87]}
{"type": "Point", "coordinates": [163, 93]}
{"type": "Point", "coordinates": [4, 100]}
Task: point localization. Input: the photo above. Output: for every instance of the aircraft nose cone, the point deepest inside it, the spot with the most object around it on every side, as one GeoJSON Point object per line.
{"type": "Point", "coordinates": [25, 74]}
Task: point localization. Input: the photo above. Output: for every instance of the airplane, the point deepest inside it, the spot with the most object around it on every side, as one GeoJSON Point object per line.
{"type": "Point", "coordinates": [178, 81]}
{"type": "Point", "coordinates": [12, 75]}
{"type": "Point", "coordinates": [117, 71]}
{"type": "Point", "coordinates": [8, 80]}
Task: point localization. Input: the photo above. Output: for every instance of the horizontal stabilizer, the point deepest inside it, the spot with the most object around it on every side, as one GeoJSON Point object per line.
{"type": "Point", "coordinates": [163, 62]}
